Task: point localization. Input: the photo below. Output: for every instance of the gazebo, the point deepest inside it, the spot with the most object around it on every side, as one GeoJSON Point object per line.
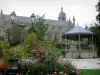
{"type": "Point", "coordinates": [76, 34]}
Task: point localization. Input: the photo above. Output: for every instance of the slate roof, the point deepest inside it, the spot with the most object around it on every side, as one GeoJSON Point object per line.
{"type": "Point", "coordinates": [28, 20]}
{"type": "Point", "coordinates": [78, 30]}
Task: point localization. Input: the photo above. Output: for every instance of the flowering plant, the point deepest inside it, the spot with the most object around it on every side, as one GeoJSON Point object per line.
{"type": "Point", "coordinates": [4, 65]}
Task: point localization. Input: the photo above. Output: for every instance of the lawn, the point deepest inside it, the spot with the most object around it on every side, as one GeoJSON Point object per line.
{"type": "Point", "coordinates": [54, 50]}
{"type": "Point", "coordinates": [89, 71]}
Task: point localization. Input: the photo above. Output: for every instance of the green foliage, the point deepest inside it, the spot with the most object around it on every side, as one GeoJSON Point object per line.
{"type": "Point", "coordinates": [55, 39]}
{"type": "Point", "coordinates": [39, 28]}
{"type": "Point", "coordinates": [30, 39]}
{"type": "Point", "coordinates": [48, 66]}
{"type": "Point", "coordinates": [1, 38]}
{"type": "Point", "coordinates": [60, 45]}
{"type": "Point", "coordinates": [63, 52]}
{"type": "Point", "coordinates": [4, 44]}
{"type": "Point", "coordinates": [14, 34]}
{"type": "Point", "coordinates": [98, 9]}
{"type": "Point", "coordinates": [96, 30]}
{"type": "Point", "coordinates": [16, 52]}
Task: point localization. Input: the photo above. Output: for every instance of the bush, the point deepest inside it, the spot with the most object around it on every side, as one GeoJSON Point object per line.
{"type": "Point", "coordinates": [45, 62]}
{"type": "Point", "coordinates": [15, 52]}
{"type": "Point", "coordinates": [50, 65]}
{"type": "Point", "coordinates": [31, 40]}
{"type": "Point", "coordinates": [63, 52]}
{"type": "Point", "coordinates": [61, 45]}
{"type": "Point", "coordinates": [3, 45]}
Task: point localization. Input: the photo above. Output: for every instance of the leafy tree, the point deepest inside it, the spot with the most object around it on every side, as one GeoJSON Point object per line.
{"type": "Point", "coordinates": [96, 30]}
{"type": "Point", "coordinates": [55, 39]}
{"type": "Point", "coordinates": [31, 39]}
{"type": "Point", "coordinates": [98, 10]}
{"type": "Point", "coordinates": [40, 28]}
{"type": "Point", "coordinates": [14, 34]}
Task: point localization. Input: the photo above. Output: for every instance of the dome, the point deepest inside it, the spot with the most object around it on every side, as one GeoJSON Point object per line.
{"type": "Point", "coordinates": [62, 15]}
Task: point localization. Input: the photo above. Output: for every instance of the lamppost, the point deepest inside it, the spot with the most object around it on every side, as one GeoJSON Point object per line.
{"type": "Point", "coordinates": [7, 31]}
{"type": "Point", "coordinates": [33, 19]}
{"type": "Point", "coordinates": [13, 16]}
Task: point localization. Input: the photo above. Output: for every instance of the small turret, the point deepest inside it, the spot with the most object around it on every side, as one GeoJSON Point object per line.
{"type": "Point", "coordinates": [1, 12]}
{"type": "Point", "coordinates": [62, 15]}
{"type": "Point", "coordinates": [73, 21]}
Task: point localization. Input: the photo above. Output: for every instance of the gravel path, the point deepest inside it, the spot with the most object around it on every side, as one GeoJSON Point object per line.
{"type": "Point", "coordinates": [86, 63]}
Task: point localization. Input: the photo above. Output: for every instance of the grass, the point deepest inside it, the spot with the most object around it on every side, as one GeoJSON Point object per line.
{"type": "Point", "coordinates": [89, 71]}
{"type": "Point", "coordinates": [54, 50]}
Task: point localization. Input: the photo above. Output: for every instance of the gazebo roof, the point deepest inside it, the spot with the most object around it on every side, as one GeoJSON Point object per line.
{"type": "Point", "coordinates": [78, 30]}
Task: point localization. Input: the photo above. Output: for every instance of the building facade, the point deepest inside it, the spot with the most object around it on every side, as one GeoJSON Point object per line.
{"type": "Point", "coordinates": [56, 27]}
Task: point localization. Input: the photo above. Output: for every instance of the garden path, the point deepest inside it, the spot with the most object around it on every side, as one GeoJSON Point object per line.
{"type": "Point", "coordinates": [86, 63]}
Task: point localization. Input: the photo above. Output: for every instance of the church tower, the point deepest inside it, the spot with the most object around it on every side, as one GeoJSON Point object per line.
{"type": "Point", "coordinates": [62, 15]}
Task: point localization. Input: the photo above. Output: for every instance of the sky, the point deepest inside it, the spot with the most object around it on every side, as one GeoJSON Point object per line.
{"type": "Point", "coordinates": [83, 10]}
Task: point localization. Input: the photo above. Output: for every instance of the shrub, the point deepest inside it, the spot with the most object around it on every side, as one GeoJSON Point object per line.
{"type": "Point", "coordinates": [60, 45]}
{"type": "Point", "coordinates": [46, 63]}
{"type": "Point", "coordinates": [16, 52]}
{"type": "Point", "coordinates": [63, 52]}
{"type": "Point", "coordinates": [3, 45]}
{"type": "Point", "coordinates": [31, 40]}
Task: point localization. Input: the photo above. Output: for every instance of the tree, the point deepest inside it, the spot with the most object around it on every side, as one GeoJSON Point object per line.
{"type": "Point", "coordinates": [96, 30]}
{"type": "Point", "coordinates": [55, 39]}
{"type": "Point", "coordinates": [40, 28]}
{"type": "Point", "coordinates": [98, 10]}
{"type": "Point", "coordinates": [30, 39]}
{"type": "Point", "coordinates": [14, 34]}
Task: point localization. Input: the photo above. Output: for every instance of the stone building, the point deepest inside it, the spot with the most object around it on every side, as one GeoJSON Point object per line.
{"type": "Point", "coordinates": [56, 27]}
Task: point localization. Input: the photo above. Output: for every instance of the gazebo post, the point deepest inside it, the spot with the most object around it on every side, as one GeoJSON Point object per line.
{"type": "Point", "coordinates": [92, 43]}
{"type": "Point", "coordinates": [79, 47]}
{"type": "Point", "coordinates": [67, 42]}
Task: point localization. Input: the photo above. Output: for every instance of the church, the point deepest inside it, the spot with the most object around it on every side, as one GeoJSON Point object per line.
{"type": "Point", "coordinates": [56, 27]}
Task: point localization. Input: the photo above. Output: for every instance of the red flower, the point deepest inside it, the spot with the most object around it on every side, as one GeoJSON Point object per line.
{"type": "Point", "coordinates": [5, 71]}
{"type": "Point", "coordinates": [4, 65]}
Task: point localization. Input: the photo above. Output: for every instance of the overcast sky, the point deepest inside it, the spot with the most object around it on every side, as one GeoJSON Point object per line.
{"type": "Point", "coordinates": [83, 10]}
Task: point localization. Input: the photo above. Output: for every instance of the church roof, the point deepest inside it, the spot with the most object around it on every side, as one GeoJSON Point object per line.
{"type": "Point", "coordinates": [28, 20]}
{"type": "Point", "coordinates": [78, 30]}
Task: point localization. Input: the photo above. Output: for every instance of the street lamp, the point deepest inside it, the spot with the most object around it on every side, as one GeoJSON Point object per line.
{"type": "Point", "coordinates": [12, 16]}
{"type": "Point", "coordinates": [33, 18]}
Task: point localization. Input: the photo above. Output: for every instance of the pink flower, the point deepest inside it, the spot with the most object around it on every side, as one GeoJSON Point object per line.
{"type": "Point", "coordinates": [17, 74]}
{"type": "Point", "coordinates": [72, 71]}
{"type": "Point", "coordinates": [78, 73]}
